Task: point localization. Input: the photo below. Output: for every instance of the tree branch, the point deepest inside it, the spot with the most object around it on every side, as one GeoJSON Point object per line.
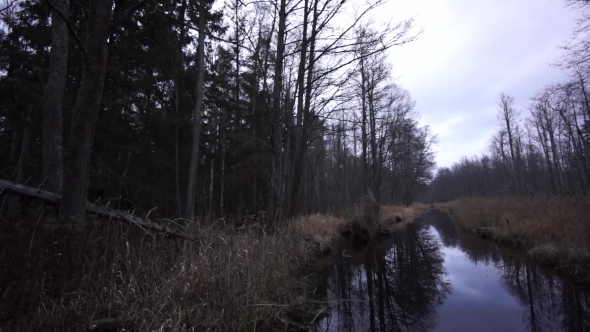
{"type": "Point", "coordinates": [8, 5]}
{"type": "Point", "coordinates": [69, 25]}
{"type": "Point", "coordinates": [208, 34]}
{"type": "Point", "coordinates": [127, 12]}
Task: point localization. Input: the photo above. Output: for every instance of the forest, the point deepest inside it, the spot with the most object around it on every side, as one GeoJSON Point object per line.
{"type": "Point", "coordinates": [180, 116]}
{"type": "Point", "coordinates": [184, 165]}
{"type": "Point", "coordinates": [256, 107]}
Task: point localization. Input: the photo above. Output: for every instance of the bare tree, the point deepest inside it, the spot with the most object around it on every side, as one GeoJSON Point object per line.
{"type": "Point", "coordinates": [550, 154]}
{"type": "Point", "coordinates": [508, 117]}
{"type": "Point", "coordinates": [7, 5]}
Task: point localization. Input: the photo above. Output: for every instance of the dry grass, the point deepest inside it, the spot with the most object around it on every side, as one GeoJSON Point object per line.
{"type": "Point", "coordinates": [236, 280]}
{"type": "Point", "coordinates": [321, 232]}
{"type": "Point", "coordinates": [318, 230]}
{"type": "Point", "coordinates": [394, 216]}
{"type": "Point", "coordinates": [551, 229]}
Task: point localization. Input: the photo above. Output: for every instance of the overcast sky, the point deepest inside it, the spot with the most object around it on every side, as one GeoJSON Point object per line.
{"type": "Point", "coordinates": [471, 51]}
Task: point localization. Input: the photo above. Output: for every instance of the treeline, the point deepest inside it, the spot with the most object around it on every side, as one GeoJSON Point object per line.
{"type": "Point", "coordinates": [544, 149]}
{"type": "Point", "coordinates": [204, 108]}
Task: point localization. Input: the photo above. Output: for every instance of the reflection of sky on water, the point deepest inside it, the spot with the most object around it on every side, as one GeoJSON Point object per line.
{"type": "Point", "coordinates": [478, 302]}
{"type": "Point", "coordinates": [433, 277]}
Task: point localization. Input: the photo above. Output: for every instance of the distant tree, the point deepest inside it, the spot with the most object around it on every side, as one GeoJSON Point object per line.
{"type": "Point", "coordinates": [548, 156]}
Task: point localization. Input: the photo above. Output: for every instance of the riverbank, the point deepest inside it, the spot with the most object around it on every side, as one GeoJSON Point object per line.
{"type": "Point", "coordinates": [321, 233]}
{"type": "Point", "coordinates": [235, 280]}
{"type": "Point", "coordinates": [550, 230]}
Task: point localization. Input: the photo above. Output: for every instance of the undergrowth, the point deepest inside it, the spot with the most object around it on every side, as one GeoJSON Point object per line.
{"type": "Point", "coordinates": [235, 279]}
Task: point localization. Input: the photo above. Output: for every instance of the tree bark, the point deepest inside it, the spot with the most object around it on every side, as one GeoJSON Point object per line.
{"type": "Point", "coordinates": [375, 163]}
{"type": "Point", "coordinates": [69, 238]}
{"type": "Point", "coordinates": [194, 163]}
{"type": "Point", "coordinates": [14, 205]}
{"type": "Point", "coordinates": [299, 127]}
{"type": "Point", "coordinates": [210, 210]}
{"type": "Point", "coordinates": [364, 139]}
{"type": "Point", "coordinates": [75, 186]}
{"type": "Point", "coordinates": [276, 135]}
{"type": "Point", "coordinates": [238, 192]}
{"type": "Point", "coordinates": [53, 99]}
{"type": "Point", "coordinates": [177, 58]}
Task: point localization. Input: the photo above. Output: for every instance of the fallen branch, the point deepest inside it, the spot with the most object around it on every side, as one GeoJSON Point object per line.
{"type": "Point", "coordinates": [55, 199]}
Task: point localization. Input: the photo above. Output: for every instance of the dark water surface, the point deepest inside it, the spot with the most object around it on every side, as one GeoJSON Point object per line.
{"type": "Point", "coordinates": [433, 277]}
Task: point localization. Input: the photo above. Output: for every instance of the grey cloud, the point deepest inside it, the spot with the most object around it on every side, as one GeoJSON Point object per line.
{"type": "Point", "coordinates": [469, 53]}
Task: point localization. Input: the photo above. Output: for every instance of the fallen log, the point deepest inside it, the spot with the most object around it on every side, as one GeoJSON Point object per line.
{"type": "Point", "coordinates": [55, 199]}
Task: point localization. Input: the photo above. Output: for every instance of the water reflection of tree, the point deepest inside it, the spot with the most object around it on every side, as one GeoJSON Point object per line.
{"type": "Point", "coordinates": [392, 290]}
{"type": "Point", "coordinates": [550, 302]}
{"type": "Point", "coordinates": [477, 250]}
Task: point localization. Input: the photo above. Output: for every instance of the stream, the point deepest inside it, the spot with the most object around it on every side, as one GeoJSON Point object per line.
{"type": "Point", "coordinates": [433, 277]}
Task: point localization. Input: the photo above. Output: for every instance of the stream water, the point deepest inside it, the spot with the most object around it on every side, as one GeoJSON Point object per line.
{"type": "Point", "coordinates": [433, 277]}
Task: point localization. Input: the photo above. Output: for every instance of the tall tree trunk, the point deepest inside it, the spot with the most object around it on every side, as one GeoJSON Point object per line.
{"type": "Point", "coordinates": [53, 99]}
{"type": "Point", "coordinates": [276, 138]}
{"type": "Point", "coordinates": [254, 199]}
{"type": "Point", "coordinates": [298, 132]}
{"type": "Point", "coordinates": [576, 147]}
{"type": "Point", "coordinates": [212, 172]}
{"type": "Point", "coordinates": [376, 183]}
{"type": "Point", "coordinates": [13, 144]}
{"type": "Point", "coordinates": [14, 205]}
{"type": "Point", "coordinates": [25, 148]}
{"type": "Point", "coordinates": [86, 114]}
{"type": "Point", "coordinates": [508, 114]}
{"type": "Point", "coordinates": [177, 172]}
{"type": "Point", "coordinates": [238, 115]}
{"type": "Point", "coordinates": [222, 172]}
{"type": "Point", "coordinates": [544, 145]}
{"type": "Point", "coordinates": [364, 157]}
{"type": "Point", "coordinates": [69, 237]}
{"type": "Point", "coordinates": [178, 66]}
{"type": "Point", "coordinates": [192, 175]}
{"type": "Point", "coordinates": [253, 101]}
{"type": "Point", "coordinates": [556, 162]}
